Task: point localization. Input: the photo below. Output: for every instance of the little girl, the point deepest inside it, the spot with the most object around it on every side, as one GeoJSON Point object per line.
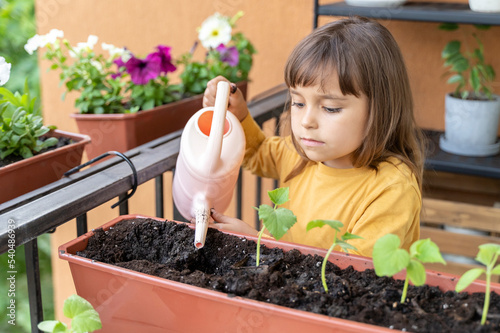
{"type": "Point", "coordinates": [355, 153]}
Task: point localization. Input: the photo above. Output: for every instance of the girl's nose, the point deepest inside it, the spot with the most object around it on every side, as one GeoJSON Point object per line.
{"type": "Point", "coordinates": [309, 119]}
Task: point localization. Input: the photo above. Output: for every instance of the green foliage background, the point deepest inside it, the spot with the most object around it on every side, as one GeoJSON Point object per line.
{"type": "Point", "coordinates": [17, 25]}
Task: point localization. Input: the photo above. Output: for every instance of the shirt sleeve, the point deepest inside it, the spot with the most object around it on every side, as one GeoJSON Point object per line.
{"type": "Point", "coordinates": [262, 155]}
{"type": "Point", "coordinates": [396, 210]}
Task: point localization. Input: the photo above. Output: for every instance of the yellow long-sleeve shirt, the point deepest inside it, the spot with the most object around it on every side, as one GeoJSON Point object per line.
{"type": "Point", "coordinates": [369, 203]}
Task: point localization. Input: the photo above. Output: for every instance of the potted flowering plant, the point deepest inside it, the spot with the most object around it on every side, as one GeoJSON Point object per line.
{"type": "Point", "coordinates": [124, 100]}
{"type": "Point", "coordinates": [31, 154]}
{"type": "Point", "coordinates": [228, 54]}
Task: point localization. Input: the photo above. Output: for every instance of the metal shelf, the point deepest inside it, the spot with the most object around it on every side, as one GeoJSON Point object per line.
{"type": "Point", "coordinates": [413, 11]}
{"type": "Point", "coordinates": [439, 160]}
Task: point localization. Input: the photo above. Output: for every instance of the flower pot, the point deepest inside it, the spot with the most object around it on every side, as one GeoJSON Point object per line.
{"type": "Point", "coordinates": [485, 6]}
{"type": "Point", "coordinates": [29, 174]}
{"type": "Point", "coordinates": [129, 301]}
{"type": "Point", "coordinates": [122, 132]}
{"type": "Point", "coordinates": [471, 127]}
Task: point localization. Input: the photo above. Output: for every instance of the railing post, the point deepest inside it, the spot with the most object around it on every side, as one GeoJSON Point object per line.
{"type": "Point", "coordinates": [159, 196]}
{"type": "Point", "coordinates": [34, 288]}
{"type": "Point", "coordinates": [123, 207]}
{"type": "Point", "coordinates": [81, 225]}
{"type": "Point", "coordinates": [239, 196]}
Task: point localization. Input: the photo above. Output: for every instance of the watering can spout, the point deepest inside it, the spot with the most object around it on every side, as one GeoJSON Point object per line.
{"type": "Point", "coordinates": [201, 210]}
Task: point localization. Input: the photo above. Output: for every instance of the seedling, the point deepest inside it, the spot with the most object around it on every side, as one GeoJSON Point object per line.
{"type": "Point", "coordinates": [83, 318]}
{"type": "Point", "coordinates": [342, 242]}
{"type": "Point", "coordinates": [488, 256]}
{"type": "Point", "coordinates": [389, 259]}
{"type": "Point", "coordinates": [276, 220]}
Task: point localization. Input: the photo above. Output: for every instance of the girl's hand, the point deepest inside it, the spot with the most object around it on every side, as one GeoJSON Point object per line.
{"type": "Point", "coordinates": [237, 103]}
{"type": "Point", "coordinates": [231, 224]}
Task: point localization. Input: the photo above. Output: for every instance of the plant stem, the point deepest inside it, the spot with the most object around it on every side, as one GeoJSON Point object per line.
{"type": "Point", "coordinates": [257, 255]}
{"type": "Point", "coordinates": [486, 296]}
{"type": "Point", "coordinates": [405, 289]}
{"type": "Point", "coordinates": [323, 267]}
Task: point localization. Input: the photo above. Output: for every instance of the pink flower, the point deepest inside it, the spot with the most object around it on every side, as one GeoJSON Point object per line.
{"type": "Point", "coordinates": [166, 59]}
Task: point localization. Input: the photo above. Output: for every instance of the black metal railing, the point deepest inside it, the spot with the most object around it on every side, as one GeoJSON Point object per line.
{"type": "Point", "coordinates": [45, 209]}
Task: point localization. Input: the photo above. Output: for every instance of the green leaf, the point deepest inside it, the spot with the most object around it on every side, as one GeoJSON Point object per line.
{"type": "Point", "coordinates": [279, 196]}
{"type": "Point", "coordinates": [496, 270]}
{"type": "Point", "coordinates": [388, 258]}
{"type": "Point", "coordinates": [87, 321]}
{"type": "Point", "coordinates": [448, 26]}
{"type": "Point", "coordinates": [416, 273]}
{"type": "Point", "coordinates": [455, 78]}
{"type": "Point", "coordinates": [319, 223]}
{"type": "Point", "coordinates": [348, 236]}
{"type": "Point", "coordinates": [277, 221]}
{"type": "Point", "coordinates": [426, 250]}
{"type": "Point", "coordinates": [450, 49]}
{"type": "Point", "coordinates": [467, 278]}
{"type": "Point", "coordinates": [52, 326]}
{"type": "Point", "coordinates": [487, 253]}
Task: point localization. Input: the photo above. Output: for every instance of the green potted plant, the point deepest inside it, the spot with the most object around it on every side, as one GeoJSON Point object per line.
{"type": "Point", "coordinates": [145, 275]}
{"type": "Point", "coordinates": [472, 109]}
{"type": "Point", "coordinates": [31, 155]}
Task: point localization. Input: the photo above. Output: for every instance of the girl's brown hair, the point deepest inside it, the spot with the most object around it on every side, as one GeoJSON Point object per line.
{"type": "Point", "coordinates": [367, 60]}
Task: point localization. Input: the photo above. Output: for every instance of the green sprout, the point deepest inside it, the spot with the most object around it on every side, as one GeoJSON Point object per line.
{"type": "Point", "coordinates": [342, 242]}
{"type": "Point", "coordinates": [83, 318]}
{"type": "Point", "coordinates": [389, 259]}
{"type": "Point", "coordinates": [488, 256]}
{"type": "Point", "coordinates": [276, 220]}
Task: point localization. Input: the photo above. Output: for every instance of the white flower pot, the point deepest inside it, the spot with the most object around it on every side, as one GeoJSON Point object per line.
{"type": "Point", "coordinates": [471, 127]}
{"type": "Point", "coordinates": [486, 6]}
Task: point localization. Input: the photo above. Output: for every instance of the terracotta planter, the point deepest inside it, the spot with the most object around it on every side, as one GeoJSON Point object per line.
{"type": "Point", "coordinates": [37, 171]}
{"type": "Point", "coordinates": [122, 132]}
{"type": "Point", "coordinates": [128, 301]}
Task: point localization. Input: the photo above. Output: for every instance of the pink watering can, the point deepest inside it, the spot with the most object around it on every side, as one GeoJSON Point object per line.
{"type": "Point", "coordinates": [210, 156]}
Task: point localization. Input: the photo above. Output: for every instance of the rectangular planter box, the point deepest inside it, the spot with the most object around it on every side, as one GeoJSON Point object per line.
{"type": "Point", "coordinates": [122, 132]}
{"type": "Point", "coordinates": [128, 301]}
{"type": "Point", "coordinates": [40, 170]}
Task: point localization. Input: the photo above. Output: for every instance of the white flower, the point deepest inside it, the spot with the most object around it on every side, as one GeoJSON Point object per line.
{"type": "Point", "coordinates": [87, 46]}
{"type": "Point", "coordinates": [38, 41]}
{"type": "Point", "coordinates": [4, 71]}
{"type": "Point", "coordinates": [96, 64]}
{"type": "Point", "coordinates": [115, 51]}
{"type": "Point", "coordinates": [215, 30]}
{"type": "Point", "coordinates": [33, 44]}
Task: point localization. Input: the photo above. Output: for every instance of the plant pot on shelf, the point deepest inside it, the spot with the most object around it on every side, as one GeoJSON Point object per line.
{"type": "Point", "coordinates": [471, 127]}
{"type": "Point", "coordinates": [130, 301]}
{"type": "Point", "coordinates": [29, 174]}
{"type": "Point", "coordinates": [122, 132]}
{"type": "Point", "coordinates": [485, 6]}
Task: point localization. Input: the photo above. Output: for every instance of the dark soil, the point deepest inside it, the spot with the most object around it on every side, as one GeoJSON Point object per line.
{"type": "Point", "coordinates": [227, 264]}
{"type": "Point", "coordinates": [62, 141]}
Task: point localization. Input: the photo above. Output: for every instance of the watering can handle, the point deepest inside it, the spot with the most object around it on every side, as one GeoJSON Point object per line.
{"type": "Point", "coordinates": [214, 144]}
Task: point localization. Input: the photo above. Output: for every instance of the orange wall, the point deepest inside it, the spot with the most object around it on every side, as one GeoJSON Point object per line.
{"type": "Point", "coordinates": [273, 26]}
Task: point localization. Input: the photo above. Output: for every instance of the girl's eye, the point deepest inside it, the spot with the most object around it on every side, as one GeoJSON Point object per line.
{"type": "Point", "coordinates": [332, 110]}
{"type": "Point", "coordinates": [298, 105]}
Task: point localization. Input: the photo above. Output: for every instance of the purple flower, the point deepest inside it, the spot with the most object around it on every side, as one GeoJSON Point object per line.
{"type": "Point", "coordinates": [143, 70]}
{"type": "Point", "coordinates": [120, 64]}
{"type": "Point", "coordinates": [166, 59]}
{"type": "Point", "coordinates": [228, 55]}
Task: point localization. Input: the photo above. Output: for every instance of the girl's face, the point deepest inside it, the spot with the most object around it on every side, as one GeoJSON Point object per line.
{"type": "Point", "coordinates": [327, 125]}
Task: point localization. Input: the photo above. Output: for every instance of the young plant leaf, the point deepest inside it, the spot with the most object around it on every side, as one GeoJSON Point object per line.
{"type": "Point", "coordinates": [279, 196]}
{"type": "Point", "coordinates": [52, 326]}
{"type": "Point", "coordinates": [467, 278]}
{"type": "Point", "coordinates": [319, 223]}
{"type": "Point", "coordinates": [416, 272]}
{"type": "Point", "coordinates": [277, 221]}
{"type": "Point", "coordinates": [84, 317]}
{"type": "Point", "coordinates": [426, 251]}
{"type": "Point", "coordinates": [388, 258]}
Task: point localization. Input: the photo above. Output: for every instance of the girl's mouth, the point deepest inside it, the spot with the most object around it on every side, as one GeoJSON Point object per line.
{"type": "Point", "coordinates": [311, 143]}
